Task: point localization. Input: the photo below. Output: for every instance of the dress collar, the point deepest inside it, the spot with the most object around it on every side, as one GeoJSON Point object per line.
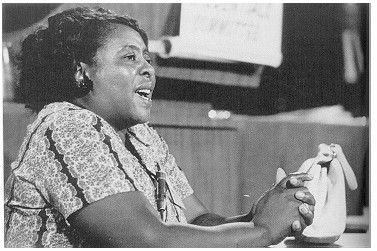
{"type": "Point", "coordinates": [140, 132]}
{"type": "Point", "coordinates": [56, 106]}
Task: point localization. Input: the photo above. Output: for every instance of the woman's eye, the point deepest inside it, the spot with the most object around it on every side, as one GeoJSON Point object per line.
{"type": "Point", "coordinates": [131, 57]}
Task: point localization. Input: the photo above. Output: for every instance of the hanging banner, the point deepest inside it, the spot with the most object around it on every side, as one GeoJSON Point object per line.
{"type": "Point", "coordinates": [244, 32]}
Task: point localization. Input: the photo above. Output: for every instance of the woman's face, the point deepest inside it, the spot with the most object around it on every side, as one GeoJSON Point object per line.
{"type": "Point", "coordinates": [123, 79]}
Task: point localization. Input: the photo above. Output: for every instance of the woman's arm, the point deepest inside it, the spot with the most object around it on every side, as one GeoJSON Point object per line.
{"type": "Point", "coordinates": [197, 214]}
{"type": "Point", "coordinates": [128, 220]}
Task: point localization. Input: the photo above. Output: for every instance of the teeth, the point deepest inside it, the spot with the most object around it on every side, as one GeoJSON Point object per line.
{"type": "Point", "coordinates": [144, 93]}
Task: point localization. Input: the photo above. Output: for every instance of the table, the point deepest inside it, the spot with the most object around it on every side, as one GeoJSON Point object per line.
{"type": "Point", "coordinates": [346, 240]}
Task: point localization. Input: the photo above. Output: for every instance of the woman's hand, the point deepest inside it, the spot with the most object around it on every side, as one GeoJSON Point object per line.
{"type": "Point", "coordinates": [287, 206]}
{"type": "Point", "coordinates": [307, 208]}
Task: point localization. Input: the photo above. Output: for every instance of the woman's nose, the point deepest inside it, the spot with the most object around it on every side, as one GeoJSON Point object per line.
{"type": "Point", "coordinates": [147, 69]}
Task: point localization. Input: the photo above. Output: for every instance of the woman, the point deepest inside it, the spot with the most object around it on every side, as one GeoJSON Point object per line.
{"type": "Point", "coordinates": [91, 172]}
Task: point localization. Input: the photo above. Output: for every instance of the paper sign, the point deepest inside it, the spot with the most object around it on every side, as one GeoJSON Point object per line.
{"type": "Point", "coordinates": [245, 32]}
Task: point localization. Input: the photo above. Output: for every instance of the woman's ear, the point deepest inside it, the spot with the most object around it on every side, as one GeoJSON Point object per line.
{"type": "Point", "coordinates": [83, 82]}
{"type": "Point", "coordinates": [81, 70]}
{"type": "Point", "coordinates": [79, 73]}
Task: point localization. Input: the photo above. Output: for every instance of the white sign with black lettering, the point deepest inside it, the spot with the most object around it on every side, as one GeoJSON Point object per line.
{"type": "Point", "coordinates": [244, 32]}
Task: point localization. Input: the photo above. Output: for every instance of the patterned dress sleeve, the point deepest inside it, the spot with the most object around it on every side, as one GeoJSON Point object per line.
{"type": "Point", "coordinates": [86, 166]}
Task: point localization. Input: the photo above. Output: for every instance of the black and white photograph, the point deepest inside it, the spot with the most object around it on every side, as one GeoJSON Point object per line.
{"type": "Point", "coordinates": [186, 125]}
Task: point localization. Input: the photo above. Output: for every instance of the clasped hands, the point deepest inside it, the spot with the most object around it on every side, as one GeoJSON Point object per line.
{"type": "Point", "coordinates": [285, 209]}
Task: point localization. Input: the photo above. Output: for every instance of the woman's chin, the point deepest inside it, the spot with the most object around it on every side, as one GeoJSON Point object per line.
{"type": "Point", "coordinates": [141, 119]}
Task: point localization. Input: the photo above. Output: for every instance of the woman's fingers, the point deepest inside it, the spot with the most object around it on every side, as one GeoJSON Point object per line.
{"type": "Point", "coordinates": [306, 213]}
{"type": "Point", "coordinates": [305, 197]}
{"type": "Point", "coordinates": [296, 226]}
{"type": "Point", "coordinates": [296, 180]}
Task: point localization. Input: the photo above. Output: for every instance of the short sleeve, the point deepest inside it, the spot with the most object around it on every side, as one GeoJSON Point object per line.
{"type": "Point", "coordinates": [86, 167]}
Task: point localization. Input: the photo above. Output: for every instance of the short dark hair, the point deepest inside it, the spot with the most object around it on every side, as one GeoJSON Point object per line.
{"type": "Point", "coordinates": [49, 56]}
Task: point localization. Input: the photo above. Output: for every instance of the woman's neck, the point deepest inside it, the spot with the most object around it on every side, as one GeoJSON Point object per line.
{"type": "Point", "coordinates": [85, 103]}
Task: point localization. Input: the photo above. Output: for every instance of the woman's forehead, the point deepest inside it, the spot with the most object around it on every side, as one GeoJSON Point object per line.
{"type": "Point", "coordinates": [123, 35]}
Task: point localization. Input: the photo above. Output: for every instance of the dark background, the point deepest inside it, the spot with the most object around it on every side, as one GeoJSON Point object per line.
{"type": "Point", "coordinates": [311, 74]}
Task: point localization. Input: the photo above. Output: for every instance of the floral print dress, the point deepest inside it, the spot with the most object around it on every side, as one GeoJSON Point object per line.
{"type": "Point", "coordinates": [70, 158]}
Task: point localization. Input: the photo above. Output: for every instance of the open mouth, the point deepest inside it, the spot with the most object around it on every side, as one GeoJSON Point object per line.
{"type": "Point", "coordinates": [145, 94]}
